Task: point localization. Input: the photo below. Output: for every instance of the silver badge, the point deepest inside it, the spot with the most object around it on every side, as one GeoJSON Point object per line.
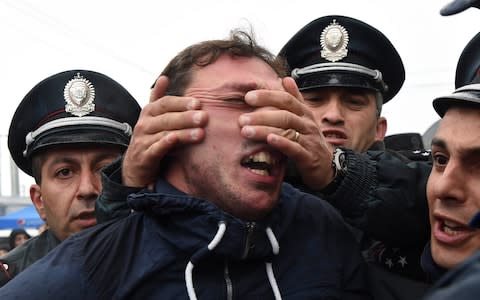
{"type": "Point", "coordinates": [79, 94]}
{"type": "Point", "coordinates": [334, 41]}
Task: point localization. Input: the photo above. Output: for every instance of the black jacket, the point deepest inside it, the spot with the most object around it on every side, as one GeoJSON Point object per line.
{"type": "Point", "coordinates": [175, 246]}
{"type": "Point", "coordinates": [383, 195]}
{"type": "Point", "coordinates": [459, 283]}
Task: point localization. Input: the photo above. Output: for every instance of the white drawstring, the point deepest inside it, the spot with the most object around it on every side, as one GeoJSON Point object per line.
{"type": "Point", "coordinates": [214, 243]}
{"type": "Point", "coordinates": [189, 269]}
{"type": "Point", "coordinates": [268, 265]}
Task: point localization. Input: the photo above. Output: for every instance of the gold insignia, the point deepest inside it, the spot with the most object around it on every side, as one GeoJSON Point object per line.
{"type": "Point", "coordinates": [79, 94]}
{"type": "Point", "coordinates": [334, 41]}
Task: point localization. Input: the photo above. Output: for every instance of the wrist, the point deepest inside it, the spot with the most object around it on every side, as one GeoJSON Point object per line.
{"type": "Point", "coordinates": [339, 167]}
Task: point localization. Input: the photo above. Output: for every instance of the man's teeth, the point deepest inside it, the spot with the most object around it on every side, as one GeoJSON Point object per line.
{"type": "Point", "coordinates": [333, 135]}
{"type": "Point", "coordinates": [259, 172]}
{"type": "Point", "coordinates": [263, 157]}
{"type": "Point", "coordinates": [451, 228]}
{"type": "Point", "coordinates": [260, 163]}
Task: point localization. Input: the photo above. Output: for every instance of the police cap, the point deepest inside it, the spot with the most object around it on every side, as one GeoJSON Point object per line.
{"type": "Point", "coordinates": [71, 107]}
{"type": "Point", "coordinates": [465, 95]}
{"type": "Point", "coordinates": [468, 66]}
{"type": "Point", "coordinates": [344, 52]}
{"type": "Point", "coordinates": [457, 6]}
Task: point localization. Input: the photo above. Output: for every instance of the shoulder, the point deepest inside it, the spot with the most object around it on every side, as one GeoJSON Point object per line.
{"type": "Point", "coordinates": [307, 206]}
{"type": "Point", "coordinates": [69, 267]}
{"type": "Point", "coordinates": [459, 283]}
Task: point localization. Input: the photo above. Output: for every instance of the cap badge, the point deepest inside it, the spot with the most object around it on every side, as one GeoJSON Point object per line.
{"type": "Point", "coordinates": [79, 94]}
{"type": "Point", "coordinates": [334, 41]}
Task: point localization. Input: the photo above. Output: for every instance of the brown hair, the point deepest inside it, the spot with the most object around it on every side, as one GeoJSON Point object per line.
{"type": "Point", "coordinates": [240, 44]}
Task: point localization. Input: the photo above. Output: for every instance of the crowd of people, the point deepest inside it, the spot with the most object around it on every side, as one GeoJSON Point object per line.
{"type": "Point", "coordinates": [250, 175]}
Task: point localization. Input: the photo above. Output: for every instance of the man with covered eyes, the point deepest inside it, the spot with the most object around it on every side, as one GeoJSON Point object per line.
{"type": "Point", "coordinates": [344, 85]}
{"type": "Point", "coordinates": [218, 223]}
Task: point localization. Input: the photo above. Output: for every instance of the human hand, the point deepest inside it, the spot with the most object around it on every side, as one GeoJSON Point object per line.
{"type": "Point", "coordinates": [308, 149]}
{"type": "Point", "coordinates": [166, 121]}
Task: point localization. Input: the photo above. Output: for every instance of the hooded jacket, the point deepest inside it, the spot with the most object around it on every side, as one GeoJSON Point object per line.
{"type": "Point", "coordinates": [179, 247]}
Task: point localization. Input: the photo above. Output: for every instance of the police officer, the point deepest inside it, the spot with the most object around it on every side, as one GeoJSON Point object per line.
{"type": "Point", "coordinates": [462, 281]}
{"type": "Point", "coordinates": [346, 70]}
{"type": "Point", "coordinates": [65, 130]}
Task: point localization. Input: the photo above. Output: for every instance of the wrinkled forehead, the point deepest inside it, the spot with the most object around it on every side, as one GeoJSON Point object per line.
{"type": "Point", "coordinates": [235, 72]}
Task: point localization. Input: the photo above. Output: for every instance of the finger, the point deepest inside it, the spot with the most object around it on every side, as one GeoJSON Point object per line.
{"type": "Point", "coordinates": [275, 98]}
{"type": "Point", "coordinates": [275, 118]}
{"type": "Point", "coordinates": [175, 120]}
{"type": "Point", "coordinates": [161, 147]}
{"type": "Point", "coordinates": [291, 87]}
{"type": "Point", "coordinates": [172, 104]}
{"type": "Point", "coordinates": [288, 146]}
{"type": "Point", "coordinates": [261, 133]}
{"type": "Point", "coordinates": [159, 88]}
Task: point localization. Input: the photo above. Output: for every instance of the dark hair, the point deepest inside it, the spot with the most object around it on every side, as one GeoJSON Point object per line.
{"type": "Point", "coordinates": [37, 162]}
{"type": "Point", "coordinates": [14, 233]}
{"type": "Point", "coordinates": [240, 44]}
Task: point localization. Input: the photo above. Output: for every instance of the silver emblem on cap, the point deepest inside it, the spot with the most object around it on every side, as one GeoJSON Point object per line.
{"type": "Point", "coordinates": [79, 94]}
{"type": "Point", "coordinates": [334, 41]}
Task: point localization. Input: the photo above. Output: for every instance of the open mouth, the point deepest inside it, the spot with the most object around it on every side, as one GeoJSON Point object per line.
{"type": "Point", "coordinates": [334, 134]}
{"type": "Point", "coordinates": [261, 163]}
{"type": "Point", "coordinates": [453, 228]}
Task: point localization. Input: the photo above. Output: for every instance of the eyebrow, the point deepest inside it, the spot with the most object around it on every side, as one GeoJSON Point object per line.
{"type": "Point", "coordinates": [70, 159]}
{"type": "Point", "coordinates": [466, 152]}
{"type": "Point", "coordinates": [439, 143]}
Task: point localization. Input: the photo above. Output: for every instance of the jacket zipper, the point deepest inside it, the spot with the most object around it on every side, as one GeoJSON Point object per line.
{"type": "Point", "coordinates": [248, 242]}
{"type": "Point", "coordinates": [228, 281]}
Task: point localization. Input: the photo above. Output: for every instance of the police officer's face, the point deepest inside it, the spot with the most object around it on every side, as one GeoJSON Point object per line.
{"type": "Point", "coordinates": [65, 199]}
{"type": "Point", "coordinates": [347, 116]}
{"type": "Point", "coordinates": [240, 176]}
{"type": "Point", "coordinates": [453, 188]}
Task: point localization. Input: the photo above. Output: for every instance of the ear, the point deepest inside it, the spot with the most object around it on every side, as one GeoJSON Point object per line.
{"type": "Point", "coordinates": [381, 129]}
{"type": "Point", "coordinates": [36, 197]}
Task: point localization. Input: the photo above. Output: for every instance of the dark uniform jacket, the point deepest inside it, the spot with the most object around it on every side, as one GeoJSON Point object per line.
{"type": "Point", "coordinates": [26, 254]}
{"type": "Point", "coordinates": [383, 195]}
{"type": "Point", "coordinates": [459, 283]}
{"type": "Point", "coordinates": [175, 246]}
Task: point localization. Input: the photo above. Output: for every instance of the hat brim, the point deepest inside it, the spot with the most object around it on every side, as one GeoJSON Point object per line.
{"type": "Point", "coordinates": [335, 79]}
{"type": "Point", "coordinates": [462, 97]}
{"type": "Point", "coordinates": [85, 135]}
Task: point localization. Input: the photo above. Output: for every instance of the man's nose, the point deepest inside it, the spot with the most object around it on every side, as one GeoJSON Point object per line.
{"type": "Point", "coordinates": [449, 184]}
{"type": "Point", "coordinates": [90, 185]}
{"type": "Point", "coordinates": [333, 113]}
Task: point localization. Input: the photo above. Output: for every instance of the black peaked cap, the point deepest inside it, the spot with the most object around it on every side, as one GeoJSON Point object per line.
{"type": "Point", "coordinates": [468, 66]}
{"type": "Point", "coordinates": [341, 42]}
{"type": "Point", "coordinates": [71, 107]}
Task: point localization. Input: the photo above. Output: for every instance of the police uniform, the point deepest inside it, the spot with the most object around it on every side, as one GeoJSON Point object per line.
{"type": "Point", "coordinates": [74, 107]}
{"type": "Point", "coordinates": [378, 187]}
